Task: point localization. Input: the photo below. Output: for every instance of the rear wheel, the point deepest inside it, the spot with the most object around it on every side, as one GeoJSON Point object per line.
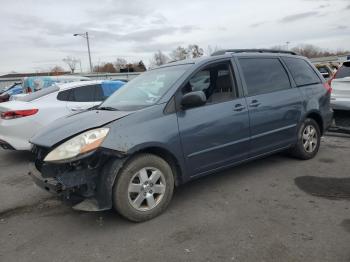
{"type": "Point", "coordinates": [144, 188]}
{"type": "Point", "coordinates": [309, 138]}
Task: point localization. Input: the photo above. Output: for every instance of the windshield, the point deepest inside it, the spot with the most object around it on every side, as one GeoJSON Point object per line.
{"type": "Point", "coordinates": [146, 89]}
{"type": "Point", "coordinates": [38, 94]}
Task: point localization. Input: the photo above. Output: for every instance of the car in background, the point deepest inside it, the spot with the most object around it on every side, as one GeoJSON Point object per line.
{"type": "Point", "coordinates": [15, 89]}
{"type": "Point", "coordinates": [8, 88]}
{"type": "Point", "coordinates": [22, 118]}
{"type": "Point", "coordinates": [326, 71]}
{"type": "Point", "coordinates": [120, 79]}
{"type": "Point", "coordinates": [35, 83]}
{"type": "Point", "coordinates": [340, 83]}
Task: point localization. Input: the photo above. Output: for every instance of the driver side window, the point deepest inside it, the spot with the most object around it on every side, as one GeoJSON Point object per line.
{"type": "Point", "coordinates": [216, 81]}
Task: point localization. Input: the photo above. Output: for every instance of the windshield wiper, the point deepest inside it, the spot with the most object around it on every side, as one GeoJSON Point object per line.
{"type": "Point", "coordinates": [107, 108]}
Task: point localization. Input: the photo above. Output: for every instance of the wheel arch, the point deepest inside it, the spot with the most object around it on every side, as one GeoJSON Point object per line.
{"type": "Point", "coordinates": [168, 156]}
{"type": "Point", "coordinates": [318, 118]}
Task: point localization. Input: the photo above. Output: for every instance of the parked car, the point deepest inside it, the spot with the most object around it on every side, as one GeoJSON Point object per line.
{"type": "Point", "coordinates": [13, 90]}
{"type": "Point", "coordinates": [21, 119]}
{"type": "Point", "coordinates": [159, 131]}
{"type": "Point", "coordinates": [326, 71]}
{"type": "Point", "coordinates": [8, 88]}
{"type": "Point", "coordinates": [340, 99]}
{"type": "Point", "coordinates": [35, 83]}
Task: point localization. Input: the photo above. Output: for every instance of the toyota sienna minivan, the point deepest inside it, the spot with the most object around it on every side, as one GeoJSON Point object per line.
{"type": "Point", "coordinates": [182, 121]}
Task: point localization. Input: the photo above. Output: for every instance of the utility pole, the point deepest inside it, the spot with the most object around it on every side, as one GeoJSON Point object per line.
{"type": "Point", "coordinates": [86, 36]}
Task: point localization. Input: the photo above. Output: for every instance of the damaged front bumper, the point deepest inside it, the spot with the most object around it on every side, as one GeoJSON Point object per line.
{"type": "Point", "coordinates": [89, 179]}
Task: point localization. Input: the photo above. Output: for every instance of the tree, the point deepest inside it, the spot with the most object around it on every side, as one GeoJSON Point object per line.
{"type": "Point", "coordinates": [105, 68]}
{"type": "Point", "coordinates": [56, 70]}
{"type": "Point", "coordinates": [212, 49]}
{"type": "Point", "coordinates": [71, 62]}
{"type": "Point", "coordinates": [180, 53]}
{"type": "Point", "coordinates": [139, 67]}
{"type": "Point", "coordinates": [312, 51]}
{"type": "Point", "coordinates": [120, 63]}
{"type": "Point", "coordinates": [159, 58]}
{"type": "Point", "coordinates": [195, 51]}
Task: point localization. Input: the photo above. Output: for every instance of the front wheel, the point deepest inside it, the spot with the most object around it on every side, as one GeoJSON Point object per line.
{"type": "Point", "coordinates": [309, 139]}
{"type": "Point", "coordinates": [143, 188]}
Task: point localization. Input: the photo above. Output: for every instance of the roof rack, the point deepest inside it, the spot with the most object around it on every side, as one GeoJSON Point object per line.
{"type": "Point", "coordinates": [222, 52]}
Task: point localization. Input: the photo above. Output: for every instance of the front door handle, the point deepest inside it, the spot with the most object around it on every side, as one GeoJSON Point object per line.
{"type": "Point", "coordinates": [238, 107]}
{"type": "Point", "coordinates": [254, 103]}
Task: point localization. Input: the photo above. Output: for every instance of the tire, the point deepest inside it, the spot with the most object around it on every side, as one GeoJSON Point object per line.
{"type": "Point", "coordinates": [307, 150]}
{"type": "Point", "coordinates": [138, 193]}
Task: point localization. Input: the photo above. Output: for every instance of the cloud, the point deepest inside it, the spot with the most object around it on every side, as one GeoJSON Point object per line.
{"type": "Point", "coordinates": [323, 6]}
{"type": "Point", "coordinates": [300, 16]}
{"type": "Point", "coordinates": [341, 27]}
{"type": "Point", "coordinates": [258, 24]}
{"type": "Point", "coordinates": [153, 47]}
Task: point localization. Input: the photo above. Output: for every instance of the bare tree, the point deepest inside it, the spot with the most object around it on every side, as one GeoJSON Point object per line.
{"type": "Point", "coordinates": [211, 49]}
{"type": "Point", "coordinates": [195, 51]}
{"type": "Point", "coordinates": [56, 70]}
{"type": "Point", "coordinates": [159, 58]}
{"type": "Point", "coordinates": [105, 68]}
{"type": "Point", "coordinates": [180, 53]}
{"type": "Point", "coordinates": [312, 51]}
{"type": "Point", "coordinates": [120, 63]}
{"type": "Point", "coordinates": [71, 62]}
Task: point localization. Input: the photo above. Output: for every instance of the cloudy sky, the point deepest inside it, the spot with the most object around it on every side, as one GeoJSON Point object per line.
{"type": "Point", "coordinates": [37, 34]}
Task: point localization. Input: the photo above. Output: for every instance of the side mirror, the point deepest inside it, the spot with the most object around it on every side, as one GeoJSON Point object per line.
{"type": "Point", "coordinates": [193, 99]}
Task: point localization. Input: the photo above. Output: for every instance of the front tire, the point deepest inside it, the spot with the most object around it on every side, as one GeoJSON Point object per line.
{"type": "Point", "coordinates": [143, 188]}
{"type": "Point", "coordinates": [309, 139]}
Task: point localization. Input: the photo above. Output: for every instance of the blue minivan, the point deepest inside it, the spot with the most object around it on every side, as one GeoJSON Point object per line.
{"type": "Point", "coordinates": [181, 121]}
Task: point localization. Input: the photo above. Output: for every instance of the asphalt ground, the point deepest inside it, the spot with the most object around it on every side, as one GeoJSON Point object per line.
{"type": "Point", "coordinates": [273, 209]}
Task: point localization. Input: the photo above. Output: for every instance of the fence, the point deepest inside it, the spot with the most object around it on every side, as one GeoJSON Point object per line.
{"type": "Point", "coordinates": [4, 82]}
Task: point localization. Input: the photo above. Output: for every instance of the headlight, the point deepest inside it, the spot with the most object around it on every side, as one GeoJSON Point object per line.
{"type": "Point", "coordinates": [83, 143]}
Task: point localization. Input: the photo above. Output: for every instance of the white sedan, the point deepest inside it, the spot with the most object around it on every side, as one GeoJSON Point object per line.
{"type": "Point", "coordinates": [340, 99]}
{"type": "Point", "coordinates": [21, 119]}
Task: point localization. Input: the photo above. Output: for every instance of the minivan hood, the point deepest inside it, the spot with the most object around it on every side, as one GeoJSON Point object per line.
{"type": "Point", "coordinates": [66, 127]}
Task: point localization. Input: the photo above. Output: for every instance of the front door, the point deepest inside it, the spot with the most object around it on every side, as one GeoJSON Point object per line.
{"type": "Point", "coordinates": [216, 134]}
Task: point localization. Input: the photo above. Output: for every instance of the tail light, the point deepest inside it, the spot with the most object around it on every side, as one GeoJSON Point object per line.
{"type": "Point", "coordinates": [18, 113]}
{"type": "Point", "coordinates": [330, 80]}
{"type": "Point", "coordinates": [327, 87]}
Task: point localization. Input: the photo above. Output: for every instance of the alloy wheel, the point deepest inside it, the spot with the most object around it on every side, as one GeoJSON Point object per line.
{"type": "Point", "coordinates": [310, 138]}
{"type": "Point", "coordinates": [146, 188]}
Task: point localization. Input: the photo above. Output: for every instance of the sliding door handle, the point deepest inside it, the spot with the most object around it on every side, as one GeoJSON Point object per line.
{"type": "Point", "coordinates": [254, 103]}
{"type": "Point", "coordinates": [238, 107]}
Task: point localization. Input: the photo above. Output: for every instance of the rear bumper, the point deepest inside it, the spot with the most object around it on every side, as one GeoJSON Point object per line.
{"type": "Point", "coordinates": [5, 145]}
{"type": "Point", "coordinates": [340, 103]}
{"type": "Point", "coordinates": [12, 143]}
{"type": "Point", "coordinates": [17, 132]}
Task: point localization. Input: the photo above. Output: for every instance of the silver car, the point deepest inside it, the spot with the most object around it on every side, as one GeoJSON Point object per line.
{"type": "Point", "coordinates": [340, 99]}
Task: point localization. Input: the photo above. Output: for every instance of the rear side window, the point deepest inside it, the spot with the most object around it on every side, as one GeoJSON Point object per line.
{"type": "Point", "coordinates": [65, 95]}
{"type": "Point", "coordinates": [301, 71]}
{"type": "Point", "coordinates": [86, 93]}
{"type": "Point", "coordinates": [343, 71]}
{"type": "Point", "coordinates": [264, 75]}
{"type": "Point", "coordinates": [91, 93]}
